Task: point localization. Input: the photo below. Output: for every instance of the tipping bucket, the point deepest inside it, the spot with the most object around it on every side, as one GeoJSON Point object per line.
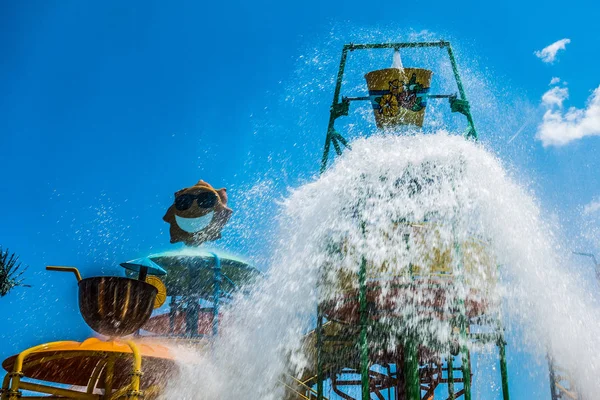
{"type": "Point", "coordinates": [398, 95]}
{"type": "Point", "coordinates": [115, 306]}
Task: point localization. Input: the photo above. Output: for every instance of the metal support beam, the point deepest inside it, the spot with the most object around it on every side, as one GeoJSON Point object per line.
{"type": "Point", "coordinates": [192, 314]}
{"type": "Point", "coordinates": [332, 112]}
{"type": "Point", "coordinates": [503, 367]}
{"type": "Point", "coordinates": [466, 371]}
{"type": "Point", "coordinates": [449, 364]}
{"type": "Point", "coordinates": [463, 325]}
{"type": "Point", "coordinates": [364, 349]}
{"type": "Point", "coordinates": [552, 376]}
{"type": "Point", "coordinates": [472, 132]}
{"type": "Point", "coordinates": [411, 369]}
{"type": "Point", "coordinates": [319, 332]}
{"type": "Point", "coordinates": [216, 294]}
{"type": "Point", "coordinates": [173, 309]}
{"type": "Point", "coordinates": [57, 392]}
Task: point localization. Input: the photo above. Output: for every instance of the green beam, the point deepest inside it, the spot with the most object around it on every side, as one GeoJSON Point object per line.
{"type": "Point", "coordinates": [411, 369]}
{"type": "Point", "coordinates": [398, 45]}
{"type": "Point", "coordinates": [332, 112]}
{"type": "Point", "coordinates": [364, 349]}
{"type": "Point", "coordinates": [319, 331]}
{"type": "Point", "coordinates": [461, 90]}
{"type": "Point", "coordinates": [466, 371]}
{"type": "Point", "coordinates": [463, 325]}
{"type": "Point", "coordinates": [552, 376]}
{"type": "Point", "coordinates": [217, 279]}
{"type": "Point", "coordinates": [503, 368]}
{"type": "Point", "coordinates": [450, 377]}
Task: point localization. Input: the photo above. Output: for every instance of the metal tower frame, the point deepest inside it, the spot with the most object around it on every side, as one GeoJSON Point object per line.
{"type": "Point", "coordinates": [458, 103]}
{"type": "Point", "coordinates": [411, 364]}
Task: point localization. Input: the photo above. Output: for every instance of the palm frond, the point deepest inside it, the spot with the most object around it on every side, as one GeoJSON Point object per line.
{"type": "Point", "coordinates": [11, 272]}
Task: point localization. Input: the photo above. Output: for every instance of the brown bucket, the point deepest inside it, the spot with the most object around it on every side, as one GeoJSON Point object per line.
{"type": "Point", "coordinates": [115, 306]}
{"type": "Point", "coordinates": [398, 96]}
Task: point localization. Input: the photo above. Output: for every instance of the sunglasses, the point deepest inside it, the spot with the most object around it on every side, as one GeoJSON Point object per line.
{"type": "Point", "coordinates": [203, 200]}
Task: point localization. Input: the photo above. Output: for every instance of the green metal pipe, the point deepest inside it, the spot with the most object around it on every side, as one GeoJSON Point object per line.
{"type": "Point", "coordinates": [503, 368]}
{"type": "Point", "coordinates": [364, 349]}
{"type": "Point", "coordinates": [552, 376]}
{"type": "Point", "coordinates": [461, 89]}
{"type": "Point", "coordinates": [463, 324]}
{"type": "Point", "coordinates": [217, 294]}
{"type": "Point", "coordinates": [450, 365]}
{"type": "Point", "coordinates": [399, 45]}
{"type": "Point", "coordinates": [466, 371]}
{"type": "Point", "coordinates": [340, 76]}
{"type": "Point", "coordinates": [326, 150]}
{"type": "Point", "coordinates": [319, 332]}
{"type": "Point", "coordinates": [411, 370]}
{"type": "Point", "coordinates": [332, 115]}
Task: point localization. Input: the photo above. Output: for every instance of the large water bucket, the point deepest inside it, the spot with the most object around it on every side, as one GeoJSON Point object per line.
{"type": "Point", "coordinates": [115, 306]}
{"type": "Point", "coordinates": [398, 96]}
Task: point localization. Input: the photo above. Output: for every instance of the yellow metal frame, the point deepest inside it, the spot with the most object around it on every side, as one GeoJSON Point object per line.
{"type": "Point", "coordinates": [12, 384]}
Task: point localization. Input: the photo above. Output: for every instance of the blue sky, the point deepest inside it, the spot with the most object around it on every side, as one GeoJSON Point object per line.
{"type": "Point", "coordinates": [108, 108]}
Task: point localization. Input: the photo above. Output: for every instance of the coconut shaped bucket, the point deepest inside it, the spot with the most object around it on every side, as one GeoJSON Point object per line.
{"type": "Point", "coordinates": [112, 305]}
{"type": "Point", "coordinates": [115, 306]}
{"type": "Point", "coordinates": [398, 96]}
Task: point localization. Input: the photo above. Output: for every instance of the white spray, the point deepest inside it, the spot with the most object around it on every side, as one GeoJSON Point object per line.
{"type": "Point", "coordinates": [470, 195]}
{"type": "Point", "coordinates": [397, 63]}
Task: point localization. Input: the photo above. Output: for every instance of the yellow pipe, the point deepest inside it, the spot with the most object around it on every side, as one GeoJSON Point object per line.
{"type": "Point", "coordinates": [108, 377]}
{"type": "Point", "coordinates": [5, 384]}
{"type": "Point", "coordinates": [149, 393]}
{"type": "Point", "coordinates": [95, 376]}
{"type": "Point", "coordinates": [299, 382]}
{"type": "Point", "coordinates": [18, 366]}
{"type": "Point", "coordinates": [70, 394]}
{"type": "Point", "coordinates": [152, 391]}
{"type": "Point", "coordinates": [42, 397]}
{"type": "Point", "coordinates": [120, 393]}
{"type": "Point", "coordinates": [136, 374]}
{"type": "Point", "coordinates": [297, 393]}
{"type": "Point", "coordinates": [65, 269]}
{"type": "Point", "coordinates": [564, 390]}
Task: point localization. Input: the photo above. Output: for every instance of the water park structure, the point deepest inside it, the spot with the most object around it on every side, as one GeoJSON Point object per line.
{"type": "Point", "coordinates": [347, 350]}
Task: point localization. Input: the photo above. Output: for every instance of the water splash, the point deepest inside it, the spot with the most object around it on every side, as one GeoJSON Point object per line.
{"type": "Point", "coordinates": [397, 63]}
{"type": "Point", "coordinates": [362, 204]}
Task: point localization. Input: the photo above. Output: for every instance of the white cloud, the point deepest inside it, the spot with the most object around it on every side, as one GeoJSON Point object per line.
{"type": "Point", "coordinates": [592, 207]}
{"type": "Point", "coordinates": [555, 80]}
{"type": "Point", "coordinates": [555, 97]}
{"type": "Point", "coordinates": [548, 54]}
{"type": "Point", "coordinates": [560, 126]}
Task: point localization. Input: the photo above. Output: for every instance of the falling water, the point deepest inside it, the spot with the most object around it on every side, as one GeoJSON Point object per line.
{"type": "Point", "coordinates": [362, 208]}
{"type": "Point", "coordinates": [397, 63]}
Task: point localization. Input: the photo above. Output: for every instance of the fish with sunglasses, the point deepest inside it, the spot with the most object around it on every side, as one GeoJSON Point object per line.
{"type": "Point", "coordinates": [198, 214]}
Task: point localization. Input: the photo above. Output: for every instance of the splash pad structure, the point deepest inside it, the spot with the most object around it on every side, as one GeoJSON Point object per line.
{"type": "Point", "coordinates": [97, 368]}
{"type": "Point", "coordinates": [133, 359]}
{"type": "Point", "coordinates": [371, 334]}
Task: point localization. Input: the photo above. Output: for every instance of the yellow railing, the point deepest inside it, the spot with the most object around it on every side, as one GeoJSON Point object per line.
{"type": "Point", "coordinates": [12, 384]}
